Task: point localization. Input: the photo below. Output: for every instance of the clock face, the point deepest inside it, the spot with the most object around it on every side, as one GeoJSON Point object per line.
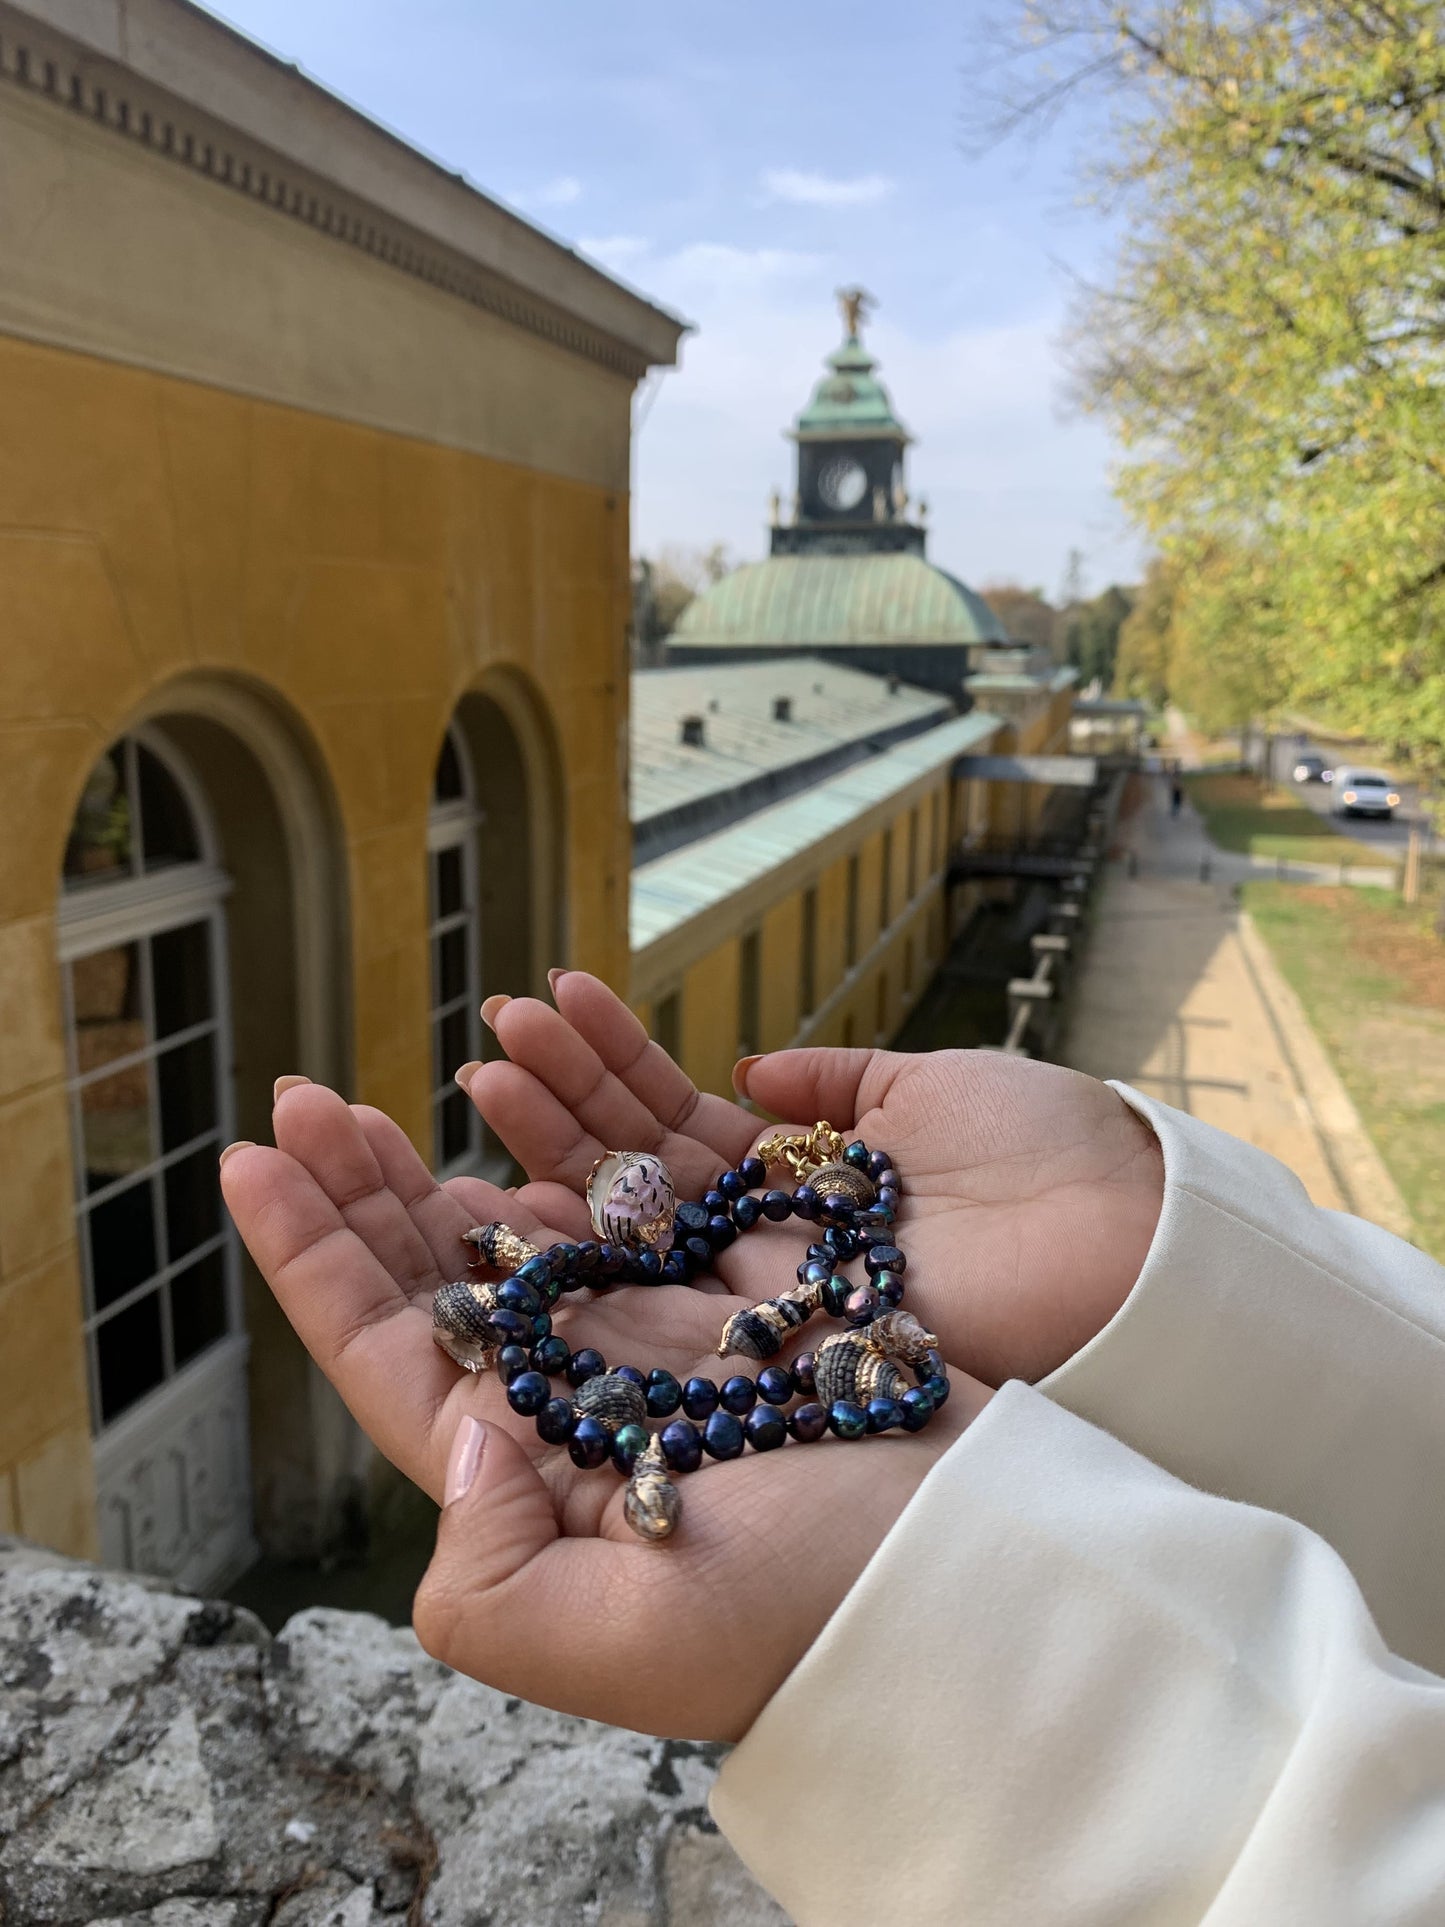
{"type": "Point", "coordinates": [842, 483]}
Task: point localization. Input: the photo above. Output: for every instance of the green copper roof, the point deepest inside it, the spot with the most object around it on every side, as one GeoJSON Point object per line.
{"type": "Point", "coordinates": [850, 400]}
{"type": "Point", "coordinates": [832, 601]}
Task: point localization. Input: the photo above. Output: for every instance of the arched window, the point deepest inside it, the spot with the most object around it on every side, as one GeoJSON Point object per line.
{"type": "Point", "coordinates": [454, 944]}
{"type": "Point", "coordinates": [143, 961]}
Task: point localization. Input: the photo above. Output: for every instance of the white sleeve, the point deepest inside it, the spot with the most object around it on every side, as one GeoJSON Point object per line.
{"type": "Point", "coordinates": [1071, 1689]}
{"type": "Point", "coordinates": [1290, 1357]}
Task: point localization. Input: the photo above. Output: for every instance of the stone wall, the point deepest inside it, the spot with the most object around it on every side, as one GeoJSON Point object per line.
{"type": "Point", "coordinates": [164, 1762]}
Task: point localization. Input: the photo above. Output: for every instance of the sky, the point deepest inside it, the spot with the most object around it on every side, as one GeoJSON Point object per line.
{"type": "Point", "coordinates": [738, 164]}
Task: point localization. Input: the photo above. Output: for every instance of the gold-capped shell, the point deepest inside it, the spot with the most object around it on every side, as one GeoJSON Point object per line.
{"type": "Point", "coordinates": [499, 1246]}
{"type": "Point", "coordinates": [613, 1399]}
{"type": "Point", "coordinates": [461, 1324]}
{"type": "Point", "coordinates": [652, 1504]}
{"type": "Point", "coordinates": [847, 1366]}
{"type": "Point", "coordinates": [844, 1181]}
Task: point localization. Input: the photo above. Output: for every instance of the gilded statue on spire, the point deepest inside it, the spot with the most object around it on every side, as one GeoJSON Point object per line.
{"type": "Point", "coordinates": [856, 305]}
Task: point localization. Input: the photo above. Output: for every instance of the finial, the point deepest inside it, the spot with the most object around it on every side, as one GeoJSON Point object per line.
{"type": "Point", "coordinates": [775, 509]}
{"type": "Point", "coordinates": [856, 304]}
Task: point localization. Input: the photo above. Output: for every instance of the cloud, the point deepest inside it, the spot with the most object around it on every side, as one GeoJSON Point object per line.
{"type": "Point", "coordinates": [615, 251]}
{"type": "Point", "coordinates": [806, 189]}
{"type": "Point", "coordinates": [561, 192]}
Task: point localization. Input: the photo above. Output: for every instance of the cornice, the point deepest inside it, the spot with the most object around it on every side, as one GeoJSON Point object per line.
{"type": "Point", "coordinates": [45, 62]}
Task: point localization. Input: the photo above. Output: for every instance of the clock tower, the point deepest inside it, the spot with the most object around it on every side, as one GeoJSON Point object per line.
{"type": "Point", "coordinates": [851, 497]}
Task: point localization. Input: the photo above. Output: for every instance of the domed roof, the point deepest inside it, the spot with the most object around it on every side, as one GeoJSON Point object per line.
{"type": "Point", "coordinates": [836, 601]}
{"type": "Point", "coordinates": [849, 400]}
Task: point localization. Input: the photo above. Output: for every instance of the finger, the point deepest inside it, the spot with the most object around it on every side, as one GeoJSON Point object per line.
{"type": "Point", "coordinates": [550, 1144]}
{"type": "Point", "coordinates": [321, 1132]}
{"type": "Point", "coordinates": [618, 1037]}
{"type": "Point", "coordinates": [842, 1086]}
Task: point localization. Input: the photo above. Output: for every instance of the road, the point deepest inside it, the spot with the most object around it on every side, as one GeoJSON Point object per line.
{"type": "Point", "coordinates": [1391, 833]}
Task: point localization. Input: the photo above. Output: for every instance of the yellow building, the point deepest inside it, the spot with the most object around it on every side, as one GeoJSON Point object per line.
{"type": "Point", "coordinates": [314, 569]}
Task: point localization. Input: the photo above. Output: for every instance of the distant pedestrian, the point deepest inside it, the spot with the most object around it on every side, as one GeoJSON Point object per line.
{"type": "Point", "coordinates": [1176, 797]}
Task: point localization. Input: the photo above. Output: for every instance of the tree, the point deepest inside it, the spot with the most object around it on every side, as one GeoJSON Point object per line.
{"type": "Point", "coordinates": [661, 590]}
{"type": "Point", "coordinates": [1271, 347]}
{"type": "Point", "coordinates": [1024, 613]}
{"type": "Point", "coordinates": [1092, 634]}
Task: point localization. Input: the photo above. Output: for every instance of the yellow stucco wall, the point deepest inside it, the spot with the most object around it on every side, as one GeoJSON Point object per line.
{"type": "Point", "coordinates": [160, 536]}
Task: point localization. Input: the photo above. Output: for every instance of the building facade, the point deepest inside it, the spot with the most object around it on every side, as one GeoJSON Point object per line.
{"type": "Point", "coordinates": [314, 559]}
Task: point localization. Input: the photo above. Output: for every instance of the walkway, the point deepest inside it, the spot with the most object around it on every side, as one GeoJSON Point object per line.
{"type": "Point", "coordinates": [1179, 996]}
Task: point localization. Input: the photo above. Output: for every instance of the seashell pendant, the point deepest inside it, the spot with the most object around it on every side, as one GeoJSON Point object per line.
{"type": "Point", "coordinates": [652, 1504]}
{"type": "Point", "coordinates": [461, 1325]}
{"type": "Point", "coordinates": [631, 1200]}
{"type": "Point", "coordinates": [613, 1399]}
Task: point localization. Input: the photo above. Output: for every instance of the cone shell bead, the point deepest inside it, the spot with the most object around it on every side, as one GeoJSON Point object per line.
{"type": "Point", "coordinates": [652, 1504]}
{"type": "Point", "coordinates": [759, 1331]}
{"type": "Point", "coordinates": [631, 1200]}
{"type": "Point", "coordinates": [615, 1400]}
{"type": "Point", "coordinates": [461, 1323]}
{"type": "Point", "coordinates": [847, 1366]}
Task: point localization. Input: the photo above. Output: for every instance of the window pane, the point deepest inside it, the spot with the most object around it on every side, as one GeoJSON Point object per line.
{"type": "Point", "coordinates": [453, 1040]}
{"type": "Point", "coordinates": [193, 1201]}
{"type": "Point", "coordinates": [181, 977]}
{"type": "Point", "coordinates": [198, 1306]}
{"type": "Point", "coordinates": [131, 1358]}
{"type": "Point", "coordinates": [186, 1076]}
{"type": "Point", "coordinates": [447, 882]}
{"type": "Point", "coordinates": [456, 1123]}
{"type": "Point", "coordinates": [115, 1126]}
{"type": "Point", "coordinates": [451, 964]}
{"type": "Point", "coordinates": [100, 836]}
{"type": "Point", "coordinates": [122, 1243]}
{"type": "Point", "coordinates": [448, 786]}
{"type": "Point", "coordinates": [105, 996]}
{"type": "Point", "coordinates": [168, 832]}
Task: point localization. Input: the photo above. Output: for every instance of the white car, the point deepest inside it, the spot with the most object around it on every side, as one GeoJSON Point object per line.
{"type": "Point", "coordinates": [1363, 792]}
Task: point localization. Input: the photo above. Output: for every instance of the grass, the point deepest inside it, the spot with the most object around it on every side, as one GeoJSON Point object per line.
{"type": "Point", "coordinates": [1257, 819]}
{"type": "Point", "coordinates": [1371, 976]}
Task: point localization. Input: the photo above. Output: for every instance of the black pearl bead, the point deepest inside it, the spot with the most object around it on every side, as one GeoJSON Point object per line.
{"type": "Point", "coordinates": [879, 1216]}
{"type": "Point", "coordinates": [563, 1257]}
{"type": "Point", "coordinates": [937, 1388]}
{"type": "Point", "coordinates": [808, 1422]}
{"type": "Point", "coordinates": [541, 1326]}
{"type": "Point", "coordinates": [836, 1294]}
{"type": "Point", "coordinates": [722, 1436]}
{"type": "Point", "coordinates": [889, 1287]}
{"type": "Point", "coordinates": [717, 1202]}
{"type": "Point", "coordinates": [917, 1409]}
{"type": "Point", "coordinates": [699, 1398]}
{"type": "Point", "coordinates": [889, 1197]}
{"type": "Point", "coordinates": [884, 1414]}
{"type": "Point", "coordinates": [802, 1374]}
{"type": "Point", "coordinates": [777, 1206]}
{"type": "Point", "coordinates": [590, 1444]}
{"type": "Point", "coordinates": [857, 1155]}
{"type": "Point", "coordinates": [555, 1421]}
{"type": "Point", "coordinates": [629, 1442]}
{"type": "Point", "coordinates": [550, 1355]}
{"type": "Point", "coordinates": [515, 1294]}
{"type": "Point", "coordinates": [878, 1163]}
{"type": "Point", "coordinates": [805, 1203]}
{"type": "Point", "coordinates": [884, 1258]}
{"type": "Point", "coordinates": [933, 1362]}
{"type": "Point", "coordinates": [588, 1252]}
{"type": "Point", "coordinates": [819, 1254]}
{"type": "Point", "coordinates": [691, 1215]}
{"type": "Point", "coordinates": [675, 1267]}
{"type": "Point", "coordinates": [888, 1181]}
{"type": "Point", "coordinates": [775, 1385]}
{"type": "Point", "coordinates": [535, 1272]}
{"type": "Point", "coordinates": [738, 1394]}
{"type": "Point", "coordinates": [611, 1261]}
{"type": "Point", "coordinates": [810, 1272]}
{"type": "Point", "coordinates": [731, 1184]}
{"type": "Point", "coordinates": [847, 1420]}
{"type": "Point", "coordinates": [528, 1393]}
{"type": "Point", "coordinates": [842, 1242]}
{"type": "Point", "coordinates": [510, 1327]}
{"type": "Point", "coordinates": [835, 1208]}
{"type": "Point", "coordinates": [862, 1305]}
{"type": "Point", "coordinates": [699, 1250]}
{"type": "Point", "coordinates": [720, 1232]}
{"type": "Point", "coordinates": [764, 1429]}
{"type": "Point", "coordinates": [746, 1213]}
{"type": "Point", "coordinates": [585, 1364]}
{"type": "Point", "coordinates": [511, 1360]}
{"type": "Point", "coordinates": [753, 1172]}
{"type": "Point", "coordinates": [647, 1267]}
{"type": "Point", "coordinates": [633, 1376]}
{"type": "Point", "coordinates": [681, 1445]}
{"type": "Point", "coordinates": [664, 1394]}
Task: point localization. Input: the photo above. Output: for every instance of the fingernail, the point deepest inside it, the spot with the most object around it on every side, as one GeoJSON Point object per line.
{"type": "Point", "coordinates": [463, 1460]}
{"type": "Point", "coordinates": [490, 1007]}
{"type": "Point", "coordinates": [241, 1144]}
{"type": "Point", "coordinates": [741, 1070]}
{"type": "Point", "coordinates": [553, 974]}
{"type": "Point", "coordinates": [286, 1084]}
{"type": "Point", "coordinates": [468, 1072]}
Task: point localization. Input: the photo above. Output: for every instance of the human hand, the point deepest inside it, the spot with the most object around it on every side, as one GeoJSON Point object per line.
{"type": "Point", "coordinates": [538, 1586]}
{"type": "Point", "coordinates": [1032, 1192]}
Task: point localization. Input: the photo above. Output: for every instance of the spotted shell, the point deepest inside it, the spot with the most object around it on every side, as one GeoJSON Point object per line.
{"type": "Point", "coordinates": [847, 1366]}
{"type": "Point", "coordinates": [652, 1504]}
{"type": "Point", "coordinates": [613, 1399]}
{"type": "Point", "coordinates": [461, 1324]}
{"type": "Point", "coordinates": [631, 1200]}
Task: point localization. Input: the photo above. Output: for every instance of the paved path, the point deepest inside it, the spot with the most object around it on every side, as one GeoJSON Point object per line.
{"type": "Point", "coordinates": [1179, 996]}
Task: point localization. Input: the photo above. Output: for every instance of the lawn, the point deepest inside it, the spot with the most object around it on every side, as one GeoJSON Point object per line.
{"type": "Point", "coordinates": [1257, 819]}
{"type": "Point", "coordinates": [1371, 976]}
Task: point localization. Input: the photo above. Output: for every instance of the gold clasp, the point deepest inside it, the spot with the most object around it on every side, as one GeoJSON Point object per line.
{"type": "Point", "coordinates": [806, 1154]}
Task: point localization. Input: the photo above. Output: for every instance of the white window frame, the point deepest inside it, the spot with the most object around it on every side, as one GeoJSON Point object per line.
{"type": "Point", "coordinates": [453, 826]}
{"type": "Point", "coordinates": [99, 916]}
